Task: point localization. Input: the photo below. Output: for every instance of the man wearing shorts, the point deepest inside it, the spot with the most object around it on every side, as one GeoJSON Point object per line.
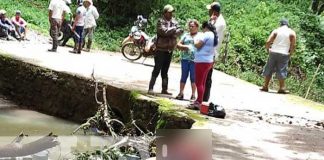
{"type": "Point", "coordinates": [280, 46]}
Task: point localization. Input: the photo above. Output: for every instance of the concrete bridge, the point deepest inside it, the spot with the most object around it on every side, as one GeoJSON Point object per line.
{"type": "Point", "coordinates": [236, 136]}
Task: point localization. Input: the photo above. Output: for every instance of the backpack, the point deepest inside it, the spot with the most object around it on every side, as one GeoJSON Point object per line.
{"type": "Point", "coordinates": [215, 110]}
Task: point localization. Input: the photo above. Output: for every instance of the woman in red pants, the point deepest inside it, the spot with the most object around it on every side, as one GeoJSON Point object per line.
{"type": "Point", "coordinates": [204, 58]}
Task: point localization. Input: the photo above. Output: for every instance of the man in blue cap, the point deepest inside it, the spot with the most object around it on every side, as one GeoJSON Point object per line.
{"type": "Point", "coordinates": [280, 46]}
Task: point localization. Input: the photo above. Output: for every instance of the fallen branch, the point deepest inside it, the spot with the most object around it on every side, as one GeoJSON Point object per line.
{"type": "Point", "coordinates": [310, 85]}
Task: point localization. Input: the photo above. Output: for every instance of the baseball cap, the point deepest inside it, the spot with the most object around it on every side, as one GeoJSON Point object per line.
{"type": "Point", "coordinates": [168, 8]}
{"type": "Point", "coordinates": [284, 21]}
{"type": "Point", "coordinates": [18, 12]}
{"type": "Point", "coordinates": [210, 6]}
{"type": "Point", "coordinates": [2, 11]}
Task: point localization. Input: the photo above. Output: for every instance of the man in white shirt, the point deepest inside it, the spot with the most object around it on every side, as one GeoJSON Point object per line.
{"type": "Point", "coordinates": [217, 19]}
{"type": "Point", "coordinates": [89, 23]}
{"type": "Point", "coordinates": [56, 12]}
{"type": "Point", "coordinates": [280, 46]}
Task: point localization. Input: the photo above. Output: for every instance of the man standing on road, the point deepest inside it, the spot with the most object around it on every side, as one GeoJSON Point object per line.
{"type": "Point", "coordinates": [167, 32]}
{"type": "Point", "coordinates": [217, 19]}
{"type": "Point", "coordinates": [89, 23]}
{"type": "Point", "coordinates": [280, 46]}
{"type": "Point", "coordinates": [56, 12]}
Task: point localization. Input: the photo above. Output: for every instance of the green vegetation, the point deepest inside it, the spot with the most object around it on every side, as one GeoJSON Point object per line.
{"type": "Point", "coordinates": [166, 106]}
{"type": "Point", "coordinates": [249, 22]}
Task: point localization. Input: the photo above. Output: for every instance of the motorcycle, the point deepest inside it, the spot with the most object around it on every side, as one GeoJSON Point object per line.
{"type": "Point", "coordinates": [138, 43]}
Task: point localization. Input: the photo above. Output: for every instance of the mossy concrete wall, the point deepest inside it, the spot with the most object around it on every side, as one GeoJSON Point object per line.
{"type": "Point", "coordinates": [72, 97]}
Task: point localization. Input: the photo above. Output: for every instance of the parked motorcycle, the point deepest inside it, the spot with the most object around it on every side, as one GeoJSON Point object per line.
{"type": "Point", "coordinates": [138, 43]}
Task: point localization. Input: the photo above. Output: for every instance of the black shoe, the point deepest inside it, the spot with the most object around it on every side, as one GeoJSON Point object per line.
{"type": "Point", "coordinates": [166, 92]}
{"type": "Point", "coordinates": [73, 51]}
{"type": "Point", "coordinates": [51, 50]}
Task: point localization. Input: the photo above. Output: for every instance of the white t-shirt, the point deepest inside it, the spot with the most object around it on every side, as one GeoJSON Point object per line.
{"type": "Point", "coordinates": [281, 44]}
{"type": "Point", "coordinates": [81, 12]}
{"type": "Point", "coordinates": [57, 7]}
{"type": "Point", "coordinates": [220, 26]}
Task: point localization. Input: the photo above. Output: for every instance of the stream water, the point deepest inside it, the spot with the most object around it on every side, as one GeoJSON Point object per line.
{"type": "Point", "coordinates": [14, 120]}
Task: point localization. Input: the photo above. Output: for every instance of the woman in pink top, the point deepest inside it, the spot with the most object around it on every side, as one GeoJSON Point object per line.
{"type": "Point", "coordinates": [20, 25]}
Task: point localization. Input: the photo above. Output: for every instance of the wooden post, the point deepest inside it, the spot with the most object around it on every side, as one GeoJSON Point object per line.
{"type": "Point", "coordinates": [310, 85]}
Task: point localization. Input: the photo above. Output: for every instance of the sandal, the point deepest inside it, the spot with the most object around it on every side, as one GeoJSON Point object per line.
{"type": "Point", "coordinates": [264, 89]}
{"type": "Point", "coordinates": [192, 98]}
{"type": "Point", "coordinates": [283, 91]}
{"type": "Point", "coordinates": [194, 106]}
{"type": "Point", "coordinates": [179, 97]}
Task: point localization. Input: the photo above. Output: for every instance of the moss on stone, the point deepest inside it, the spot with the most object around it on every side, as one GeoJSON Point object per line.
{"type": "Point", "coordinates": [134, 95]}
{"type": "Point", "coordinates": [167, 107]}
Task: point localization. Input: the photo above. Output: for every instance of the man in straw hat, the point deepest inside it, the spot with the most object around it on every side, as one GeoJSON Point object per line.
{"type": "Point", "coordinates": [89, 23]}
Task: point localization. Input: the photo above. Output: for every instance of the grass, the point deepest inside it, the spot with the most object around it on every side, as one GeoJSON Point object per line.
{"type": "Point", "coordinates": [305, 102]}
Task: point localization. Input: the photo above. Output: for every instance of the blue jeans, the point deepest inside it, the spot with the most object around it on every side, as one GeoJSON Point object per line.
{"type": "Point", "coordinates": [79, 31]}
{"type": "Point", "coordinates": [187, 66]}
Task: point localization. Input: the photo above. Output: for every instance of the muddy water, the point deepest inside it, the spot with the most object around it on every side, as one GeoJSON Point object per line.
{"type": "Point", "coordinates": [14, 120]}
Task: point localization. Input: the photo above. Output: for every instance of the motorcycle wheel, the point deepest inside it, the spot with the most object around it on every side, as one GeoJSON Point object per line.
{"type": "Point", "coordinates": [131, 51]}
{"type": "Point", "coordinates": [60, 36]}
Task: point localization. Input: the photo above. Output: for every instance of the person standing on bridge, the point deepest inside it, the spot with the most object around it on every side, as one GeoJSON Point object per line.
{"type": "Point", "coordinates": [78, 28]}
{"type": "Point", "coordinates": [217, 19]}
{"type": "Point", "coordinates": [204, 59]}
{"type": "Point", "coordinates": [89, 23]}
{"type": "Point", "coordinates": [280, 46]}
{"type": "Point", "coordinates": [167, 32]}
{"type": "Point", "coordinates": [186, 45]}
{"type": "Point", "coordinates": [56, 13]}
